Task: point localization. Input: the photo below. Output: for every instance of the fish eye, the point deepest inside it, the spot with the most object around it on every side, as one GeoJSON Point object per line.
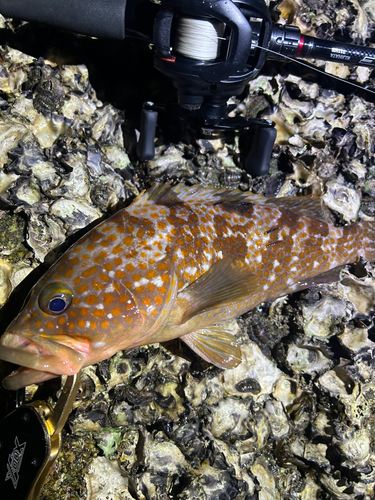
{"type": "Point", "coordinates": [55, 298]}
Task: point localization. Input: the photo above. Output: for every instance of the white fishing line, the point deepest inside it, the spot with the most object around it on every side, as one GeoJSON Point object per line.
{"type": "Point", "coordinates": [198, 38]}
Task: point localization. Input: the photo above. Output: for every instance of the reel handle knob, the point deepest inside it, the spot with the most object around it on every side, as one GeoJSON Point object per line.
{"type": "Point", "coordinates": [257, 162]}
{"type": "Point", "coordinates": [145, 146]}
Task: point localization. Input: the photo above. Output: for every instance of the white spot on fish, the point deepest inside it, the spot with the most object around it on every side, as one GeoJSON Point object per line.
{"type": "Point", "coordinates": [206, 267]}
{"type": "Point", "coordinates": [99, 344]}
{"type": "Point", "coordinates": [179, 253]}
{"type": "Point", "coordinates": [157, 281]}
{"type": "Point", "coordinates": [208, 256]}
{"type": "Point", "coordinates": [191, 270]}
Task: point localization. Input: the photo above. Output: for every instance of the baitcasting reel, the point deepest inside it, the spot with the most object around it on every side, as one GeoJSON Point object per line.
{"type": "Point", "coordinates": [210, 49]}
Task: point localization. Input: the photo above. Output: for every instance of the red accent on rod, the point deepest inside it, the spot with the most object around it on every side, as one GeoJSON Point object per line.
{"type": "Point", "coordinates": [300, 46]}
{"type": "Point", "coordinates": [173, 59]}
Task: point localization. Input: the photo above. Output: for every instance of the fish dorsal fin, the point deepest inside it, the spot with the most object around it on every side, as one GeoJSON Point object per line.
{"type": "Point", "coordinates": [309, 206]}
{"type": "Point", "coordinates": [197, 194]}
{"type": "Point", "coordinates": [226, 282]}
{"type": "Point", "coordinates": [159, 194]}
{"type": "Point", "coordinates": [216, 345]}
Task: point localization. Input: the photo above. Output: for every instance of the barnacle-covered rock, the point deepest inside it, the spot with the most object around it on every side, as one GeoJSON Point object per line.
{"type": "Point", "coordinates": [100, 487]}
{"type": "Point", "coordinates": [11, 133]}
{"type": "Point", "coordinates": [162, 456]}
{"type": "Point", "coordinates": [355, 447]}
{"type": "Point", "coordinates": [320, 318]}
{"type": "Point", "coordinates": [44, 233]}
{"type": "Point", "coordinates": [229, 420]}
{"type": "Point", "coordinates": [256, 366]}
{"type": "Point", "coordinates": [307, 360]}
{"type": "Point", "coordinates": [342, 199]}
{"type": "Point", "coordinates": [278, 421]}
{"type": "Point", "coordinates": [48, 129]}
{"type": "Point", "coordinates": [356, 340]}
{"type": "Point", "coordinates": [48, 94]}
{"type": "Point", "coordinates": [127, 450]}
{"type": "Point", "coordinates": [165, 166]}
{"type": "Point", "coordinates": [266, 480]}
{"type": "Point", "coordinates": [5, 282]}
{"type": "Point", "coordinates": [360, 292]}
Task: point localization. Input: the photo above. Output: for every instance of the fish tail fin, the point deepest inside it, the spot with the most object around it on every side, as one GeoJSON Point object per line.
{"type": "Point", "coordinates": [367, 234]}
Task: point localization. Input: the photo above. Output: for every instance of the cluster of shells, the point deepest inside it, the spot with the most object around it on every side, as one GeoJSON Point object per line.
{"type": "Point", "coordinates": [296, 418]}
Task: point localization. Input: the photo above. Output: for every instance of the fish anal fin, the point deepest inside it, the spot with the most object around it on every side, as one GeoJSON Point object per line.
{"type": "Point", "coordinates": [215, 345]}
{"type": "Point", "coordinates": [226, 282]}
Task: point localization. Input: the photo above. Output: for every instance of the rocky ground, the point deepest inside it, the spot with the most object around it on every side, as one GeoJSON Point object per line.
{"type": "Point", "coordinates": [296, 419]}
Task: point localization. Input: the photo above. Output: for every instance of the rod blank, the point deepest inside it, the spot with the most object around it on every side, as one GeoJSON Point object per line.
{"type": "Point", "coordinates": [99, 18]}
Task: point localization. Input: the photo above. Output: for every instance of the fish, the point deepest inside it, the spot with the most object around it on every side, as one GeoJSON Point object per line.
{"type": "Point", "coordinates": [178, 262]}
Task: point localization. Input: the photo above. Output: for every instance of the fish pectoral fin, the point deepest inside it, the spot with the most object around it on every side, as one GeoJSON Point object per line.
{"type": "Point", "coordinates": [226, 282]}
{"type": "Point", "coordinates": [216, 345]}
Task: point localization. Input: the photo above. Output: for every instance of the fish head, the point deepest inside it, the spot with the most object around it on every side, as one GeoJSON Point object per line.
{"type": "Point", "coordinates": [70, 320]}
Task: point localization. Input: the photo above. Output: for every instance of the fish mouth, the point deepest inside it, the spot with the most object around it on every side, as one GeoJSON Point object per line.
{"type": "Point", "coordinates": [39, 359]}
{"type": "Point", "coordinates": [25, 376]}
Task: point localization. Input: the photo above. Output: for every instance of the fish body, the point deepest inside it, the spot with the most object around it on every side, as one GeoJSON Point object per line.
{"type": "Point", "coordinates": [175, 263]}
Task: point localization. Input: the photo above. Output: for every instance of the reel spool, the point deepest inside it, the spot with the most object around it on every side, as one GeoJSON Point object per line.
{"type": "Point", "coordinates": [199, 39]}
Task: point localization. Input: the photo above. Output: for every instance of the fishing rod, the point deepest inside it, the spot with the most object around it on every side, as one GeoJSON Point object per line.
{"type": "Point", "coordinates": [210, 49]}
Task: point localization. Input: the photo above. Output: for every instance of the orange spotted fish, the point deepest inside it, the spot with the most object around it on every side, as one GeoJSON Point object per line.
{"type": "Point", "coordinates": [178, 262]}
